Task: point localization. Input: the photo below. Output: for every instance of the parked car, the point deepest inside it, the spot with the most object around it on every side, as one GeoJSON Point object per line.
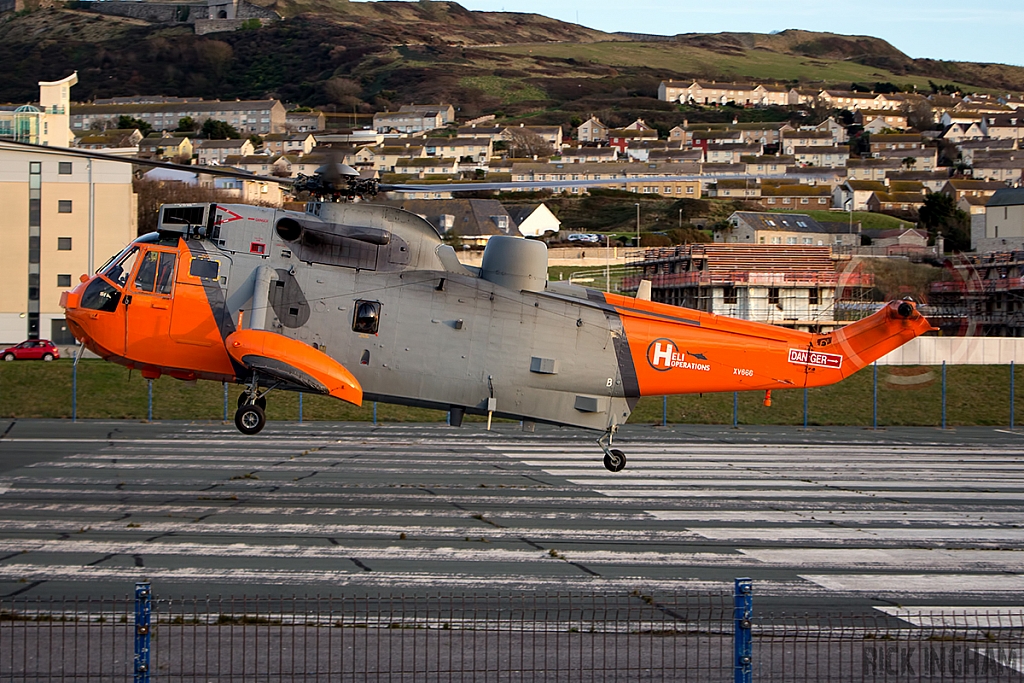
{"type": "Point", "coordinates": [585, 237]}
{"type": "Point", "coordinates": [33, 349]}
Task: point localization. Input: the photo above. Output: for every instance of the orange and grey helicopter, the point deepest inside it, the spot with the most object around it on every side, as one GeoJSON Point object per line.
{"type": "Point", "coordinates": [358, 301]}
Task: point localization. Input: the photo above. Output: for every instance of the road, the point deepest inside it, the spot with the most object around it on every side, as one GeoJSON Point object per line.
{"type": "Point", "coordinates": [822, 520]}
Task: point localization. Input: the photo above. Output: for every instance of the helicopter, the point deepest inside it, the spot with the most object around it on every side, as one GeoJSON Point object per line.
{"type": "Point", "coordinates": [363, 301]}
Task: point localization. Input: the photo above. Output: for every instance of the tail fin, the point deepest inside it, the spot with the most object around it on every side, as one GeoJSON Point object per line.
{"type": "Point", "coordinates": [867, 340]}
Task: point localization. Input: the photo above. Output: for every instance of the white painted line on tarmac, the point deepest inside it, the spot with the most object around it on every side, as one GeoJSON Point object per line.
{"type": "Point", "coordinates": [937, 559]}
{"type": "Point", "coordinates": [835, 533]}
{"type": "Point", "coordinates": [919, 584]}
{"type": "Point", "coordinates": [958, 616]}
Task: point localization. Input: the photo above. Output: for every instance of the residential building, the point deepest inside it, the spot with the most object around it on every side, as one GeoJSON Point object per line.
{"type": "Point", "coordinates": [747, 189]}
{"type": "Point", "coordinates": [446, 111]}
{"type": "Point", "coordinates": [248, 117]}
{"type": "Point", "coordinates": [731, 154]}
{"type": "Point", "coordinates": [930, 181]}
{"type": "Point", "coordinates": [424, 166]}
{"type": "Point", "coordinates": [592, 130]}
{"type": "Point", "coordinates": [584, 155]}
{"type": "Point", "coordinates": [959, 132]}
{"type": "Point", "coordinates": [854, 194]}
{"type": "Point", "coordinates": [791, 195]}
{"type": "Point", "coordinates": [982, 147]}
{"type": "Point", "coordinates": [896, 141]}
{"type": "Point", "coordinates": [871, 169]}
{"type": "Point", "coordinates": [748, 227]}
{"type": "Point", "coordinates": [114, 138]}
{"type": "Point", "coordinates": [963, 187]}
{"type": "Point", "coordinates": [831, 157]}
{"type": "Point", "coordinates": [1007, 169]}
{"type": "Point", "coordinates": [477, 149]}
{"type": "Point", "coordinates": [304, 121]}
{"type": "Point", "coordinates": [896, 203]}
{"type": "Point", "coordinates": [289, 143]}
{"type": "Point", "coordinates": [875, 121]}
{"type": "Point", "coordinates": [631, 177]}
{"type": "Point", "coordinates": [533, 220]}
{"type": "Point", "coordinates": [623, 138]}
{"type": "Point", "coordinates": [916, 159]}
{"type": "Point", "coordinates": [63, 216]}
{"type": "Point", "coordinates": [214, 152]}
{"type": "Point", "coordinates": [166, 146]}
{"type": "Point", "coordinates": [767, 165]}
{"type": "Point", "coordinates": [792, 139]}
{"type": "Point", "coordinates": [407, 121]}
{"type": "Point", "coordinates": [1001, 227]}
{"type": "Point", "coordinates": [473, 220]}
{"type": "Point", "coordinates": [1004, 126]}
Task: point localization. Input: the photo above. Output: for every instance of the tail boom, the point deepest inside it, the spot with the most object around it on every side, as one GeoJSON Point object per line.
{"type": "Point", "coordinates": [681, 351]}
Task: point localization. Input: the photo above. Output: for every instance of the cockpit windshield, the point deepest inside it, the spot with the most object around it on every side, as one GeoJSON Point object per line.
{"type": "Point", "coordinates": [121, 268]}
{"type": "Point", "coordinates": [149, 238]}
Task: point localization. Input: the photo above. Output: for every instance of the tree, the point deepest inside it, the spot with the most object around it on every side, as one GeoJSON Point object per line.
{"type": "Point", "coordinates": [187, 124]}
{"type": "Point", "coordinates": [256, 141]}
{"type": "Point", "coordinates": [941, 216]}
{"type": "Point", "coordinates": [219, 130]}
{"type": "Point", "coordinates": [524, 144]}
{"type": "Point", "coordinates": [909, 163]}
{"type": "Point", "coordinates": [124, 122]}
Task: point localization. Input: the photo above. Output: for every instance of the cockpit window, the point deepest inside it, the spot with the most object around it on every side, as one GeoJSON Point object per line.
{"type": "Point", "coordinates": [367, 317]}
{"type": "Point", "coordinates": [165, 273]}
{"type": "Point", "coordinates": [119, 271]}
{"type": "Point", "coordinates": [146, 278]}
{"type": "Point", "coordinates": [100, 295]}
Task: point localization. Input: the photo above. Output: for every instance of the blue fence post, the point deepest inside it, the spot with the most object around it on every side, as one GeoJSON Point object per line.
{"type": "Point", "coordinates": [149, 409]}
{"type": "Point", "coordinates": [1011, 394]}
{"type": "Point", "coordinates": [664, 411]}
{"type": "Point", "coordinates": [735, 408]}
{"type": "Point", "coordinates": [225, 401]}
{"type": "Point", "coordinates": [143, 610]}
{"type": "Point", "coordinates": [300, 407]}
{"type": "Point", "coordinates": [743, 642]}
{"type": "Point", "coordinates": [943, 394]}
{"type": "Point", "coordinates": [805, 407]}
{"type": "Point", "coordinates": [74, 394]}
{"type": "Point", "coordinates": [374, 413]}
{"type": "Point", "coordinates": [874, 396]}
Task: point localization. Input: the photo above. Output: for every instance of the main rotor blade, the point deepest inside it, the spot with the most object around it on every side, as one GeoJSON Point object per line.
{"type": "Point", "coordinates": [553, 184]}
{"type": "Point", "coordinates": [205, 170]}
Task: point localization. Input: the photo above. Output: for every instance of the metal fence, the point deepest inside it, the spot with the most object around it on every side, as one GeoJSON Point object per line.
{"type": "Point", "coordinates": [561, 637]}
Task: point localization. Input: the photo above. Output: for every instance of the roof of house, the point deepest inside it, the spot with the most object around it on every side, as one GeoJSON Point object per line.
{"type": "Point", "coordinates": [472, 216]}
{"type": "Point", "coordinates": [1007, 197]}
{"type": "Point", "coordinates": [779, 222]}
{"type": "Point", "coordinates": [900, 197]}
{"type": "Point", "coordinates": [796, 190]}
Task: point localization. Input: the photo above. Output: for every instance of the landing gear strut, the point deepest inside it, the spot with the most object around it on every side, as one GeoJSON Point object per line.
{"type": "Point", "coordinates": [251, 418]}
{"type": "Point", "coordinates": [614, 459]}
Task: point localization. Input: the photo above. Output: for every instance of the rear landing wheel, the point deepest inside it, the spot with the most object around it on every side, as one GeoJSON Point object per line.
{"type": "Point", "coordinates": [250, 419]}
{"type": "Point", "coordinates": [614, 460]}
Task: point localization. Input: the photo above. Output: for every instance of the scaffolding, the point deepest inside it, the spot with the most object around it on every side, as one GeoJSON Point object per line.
{"type": "Point", "coordinates": [801, 287]}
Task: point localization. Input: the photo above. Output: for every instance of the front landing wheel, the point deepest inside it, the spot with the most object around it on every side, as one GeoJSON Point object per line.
{"type": "Point", "coordinates": [250, 419]}
{"type": "Point", "coordinates": [614, 460]}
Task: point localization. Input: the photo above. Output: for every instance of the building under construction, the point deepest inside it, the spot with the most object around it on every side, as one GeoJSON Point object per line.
{"type": "Point", "coordinates": [981, 295]}
{"type": "Point", "coordinates": [792, 286]}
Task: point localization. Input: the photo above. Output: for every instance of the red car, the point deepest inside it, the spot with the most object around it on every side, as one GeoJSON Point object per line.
{"type": "Point", "coordinates": [33, 349]}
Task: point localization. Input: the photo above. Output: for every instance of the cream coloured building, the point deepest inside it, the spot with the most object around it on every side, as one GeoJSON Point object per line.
{"type": "Point", "coordinates": [63, 216]}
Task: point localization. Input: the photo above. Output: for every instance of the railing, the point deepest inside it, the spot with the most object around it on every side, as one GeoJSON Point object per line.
{"type": "Point", "coordinates": [744, 277]}
{"type": "Point", "coordinates": [560, 637]}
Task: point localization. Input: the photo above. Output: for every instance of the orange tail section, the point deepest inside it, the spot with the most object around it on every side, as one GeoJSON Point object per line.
{"type": "Point", "coordinates": [290, 360]}
{"type": "Point", "coordinates": [676, 350]}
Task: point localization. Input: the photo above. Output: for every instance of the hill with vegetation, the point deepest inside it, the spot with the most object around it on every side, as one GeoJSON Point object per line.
{"type": "Point", "coordinates": [369, 56]}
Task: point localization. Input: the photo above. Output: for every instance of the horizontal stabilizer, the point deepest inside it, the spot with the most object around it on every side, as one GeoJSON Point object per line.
{"type": "Point", "coordinates": [294, 362]}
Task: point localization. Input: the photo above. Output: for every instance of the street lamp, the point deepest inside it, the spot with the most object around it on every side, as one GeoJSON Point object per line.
{"type": "Point", "coordinates": [680, 219]}
{"type": "Point", "coordinates": [638, 225]}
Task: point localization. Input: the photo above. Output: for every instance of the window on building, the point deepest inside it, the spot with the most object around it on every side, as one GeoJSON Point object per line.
{"type": "Point", "coordinates": [773, 296]}
{"type": "Point", "coordinates": [729, 295]}
{"type": "Point", "coordinates": [790, 240]}
{"type": "Point", "coordinates": [64, 168]}
{"type": "Point", "coordinates": [63, 244]}
{"type": "Point", "coordinates": [813, 296]}
{"type": "Point", "coordinates": [64, 206]}
{"type": "Point", "coordinates": [64, 280]}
